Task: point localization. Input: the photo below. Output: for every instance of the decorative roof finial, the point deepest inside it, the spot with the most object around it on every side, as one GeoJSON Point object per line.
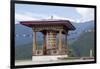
{"type": "Point", "coordinates": [51, 17]}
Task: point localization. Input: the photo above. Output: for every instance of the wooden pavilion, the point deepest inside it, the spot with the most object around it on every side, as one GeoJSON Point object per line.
{"type": "Point", "coordinates": [50, 29]}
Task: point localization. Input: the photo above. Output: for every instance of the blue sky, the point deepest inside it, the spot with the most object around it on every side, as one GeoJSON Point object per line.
{"type": "Point", "coordinates": [24, 12]}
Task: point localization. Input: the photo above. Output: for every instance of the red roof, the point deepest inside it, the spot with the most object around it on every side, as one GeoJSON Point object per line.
{"type": "Point", "coordinates": [65, 23]}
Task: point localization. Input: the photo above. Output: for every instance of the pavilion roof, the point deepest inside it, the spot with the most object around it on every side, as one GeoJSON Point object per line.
{"type": "Point", "coordinates": [65, 23]}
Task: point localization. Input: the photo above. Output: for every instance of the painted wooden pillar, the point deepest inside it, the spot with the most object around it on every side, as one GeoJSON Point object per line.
{"type": "Point", "coordinates": [44, 43]}
{"type": "Point", "coordinates": [66, 42]}
{"type": "Point", "coordinates": [60, 39]}
{"type": "Point", "coordinates": [34, 40]}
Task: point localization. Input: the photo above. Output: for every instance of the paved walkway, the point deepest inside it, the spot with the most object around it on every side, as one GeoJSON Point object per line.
{"type": "Point", "coordinates": [30, 62]}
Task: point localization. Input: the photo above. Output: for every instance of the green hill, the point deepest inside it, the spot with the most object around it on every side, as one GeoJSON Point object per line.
{"type": "Point", "coordinates": [83, 45]}
{"type": "Point", "coordinates": [23, 52]}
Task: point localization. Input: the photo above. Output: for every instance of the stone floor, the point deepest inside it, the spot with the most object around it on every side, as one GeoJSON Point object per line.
{"type": "Point", "coordinates": [30, 62]}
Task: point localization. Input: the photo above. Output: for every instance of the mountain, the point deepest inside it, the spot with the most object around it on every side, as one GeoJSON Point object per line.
{"type": "Point", "coordinates": [24, 35]}
{"type": "Point", "coordinates": [83, 44]}
{"type": "Point", "coordinates": [23, 52]}
{"type": "Point", "coordinates": [80, 27]}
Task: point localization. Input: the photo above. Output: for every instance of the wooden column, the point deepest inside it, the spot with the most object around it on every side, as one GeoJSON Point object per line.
{"type": "Point", "coordinates": [60, 39]}
{"type": "Point", "coordinates": [34, 40]}
{"type": "Point", "coordinates": [66, 33]}
{"type": "Point", "coordinates": [66, 40]}
{"type": "Point", "coordinates": [44, 43]}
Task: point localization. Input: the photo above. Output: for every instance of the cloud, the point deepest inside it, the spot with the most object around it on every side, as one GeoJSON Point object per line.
{"type": "Point", "coordinates": [28, 16]}
{"type": "Point", "coordinates": [61, 18]}
{"type": "Point", "coordinates": [86, 14]}
{"type": "Point", "coordinates": [36, 15]}
{"type": "Point", "coordinates": [23, 17]}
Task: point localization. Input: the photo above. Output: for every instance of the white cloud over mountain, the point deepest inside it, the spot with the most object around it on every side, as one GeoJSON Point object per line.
{"type": "Point", "coordinates": [27, 16]}
{"type": "Point", "coordinates": [61, 18]}
{"type": "Point", "coordinates": [35, 16]}
{"type": "Point", "coordinates": [87, 14]}
{"type": "Point", "coordinates": [23, 17]}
